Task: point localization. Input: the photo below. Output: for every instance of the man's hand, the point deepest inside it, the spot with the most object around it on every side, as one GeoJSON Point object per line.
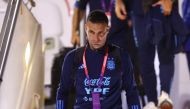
{"type": "Point", "coordinates": [75, 39]}
{"type": "Point", "coordinates": [166, 6]}
{"type": "Point", "coordinates": [120, 10]}
{"type": "Point", "coordinates": [77, 16]}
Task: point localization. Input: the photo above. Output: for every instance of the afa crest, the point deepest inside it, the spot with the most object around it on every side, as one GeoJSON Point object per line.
{"type": "Point", "coordinates": [110, 64]}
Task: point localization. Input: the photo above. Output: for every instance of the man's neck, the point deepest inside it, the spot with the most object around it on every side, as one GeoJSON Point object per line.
{"type": "Point", "coordinates": [98, 49]}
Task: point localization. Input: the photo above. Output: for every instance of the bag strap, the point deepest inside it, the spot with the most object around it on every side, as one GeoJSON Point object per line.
{"type": "Point", "coordinates": [76, 61]}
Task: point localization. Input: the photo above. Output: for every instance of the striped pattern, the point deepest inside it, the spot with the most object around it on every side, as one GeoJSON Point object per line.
{"type": "Point", "coordinates": [59, 104]}
{"type": "Point", "coordinates": [135, 107]}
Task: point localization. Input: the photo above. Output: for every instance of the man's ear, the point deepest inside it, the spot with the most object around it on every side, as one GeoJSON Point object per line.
{"type": "Point", "coordinates": [108, 28]}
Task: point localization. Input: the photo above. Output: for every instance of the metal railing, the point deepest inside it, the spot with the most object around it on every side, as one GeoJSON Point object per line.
{"type": "Point", "coordinates": [7, 32]}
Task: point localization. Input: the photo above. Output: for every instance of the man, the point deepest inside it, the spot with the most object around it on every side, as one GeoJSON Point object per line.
{"type": "Point", "coordinates": [120, 32]}
{"type": "Point", "coordinates": [102, 71]}
{"type": "Point", "coordinates": [155, 24]}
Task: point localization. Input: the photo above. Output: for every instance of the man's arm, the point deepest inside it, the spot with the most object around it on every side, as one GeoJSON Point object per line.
{"type": "Point", "coordinates": [129, 84]}
{"type": "Point", "coordinates": [66, 81]}
{"type": "Point", "coordinates": [79, 13]}
{"type": "Point", "coordinates": [77, 17]}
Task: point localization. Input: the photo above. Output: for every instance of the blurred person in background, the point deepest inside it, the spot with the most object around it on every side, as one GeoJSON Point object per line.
{"type": "Point", "coordinates": [186, 18]}
{"type": "Point", "coordinates": [155, 22]}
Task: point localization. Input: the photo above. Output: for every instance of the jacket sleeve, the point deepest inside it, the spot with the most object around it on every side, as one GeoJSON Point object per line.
{"type": "Point", "coordinates": [129, 84]}
{"type": "Point", "coordinates": [66, 81]}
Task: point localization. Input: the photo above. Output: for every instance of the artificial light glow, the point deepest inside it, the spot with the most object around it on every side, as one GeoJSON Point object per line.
{"type": "Point", "coordinates": [27, 53]}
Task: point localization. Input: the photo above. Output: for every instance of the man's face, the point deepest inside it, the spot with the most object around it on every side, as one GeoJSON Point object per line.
{"type": "Point", "coordinates": [96, 34]}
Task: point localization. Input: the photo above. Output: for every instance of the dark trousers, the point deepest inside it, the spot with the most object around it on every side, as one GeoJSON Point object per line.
{"type": "Point", "coordinates": [124, 39]}
{"type": "Point", "coordinates": [146, 52]}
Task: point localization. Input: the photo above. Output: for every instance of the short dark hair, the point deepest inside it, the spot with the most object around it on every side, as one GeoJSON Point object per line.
{"type": "Point", "coordinates": [97, 16]}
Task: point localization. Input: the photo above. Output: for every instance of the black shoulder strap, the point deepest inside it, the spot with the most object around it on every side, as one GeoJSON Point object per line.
{"type": "Point", "coordinates": [77, 59]}
{"type": "Point", "coordinates": [78, 55]}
